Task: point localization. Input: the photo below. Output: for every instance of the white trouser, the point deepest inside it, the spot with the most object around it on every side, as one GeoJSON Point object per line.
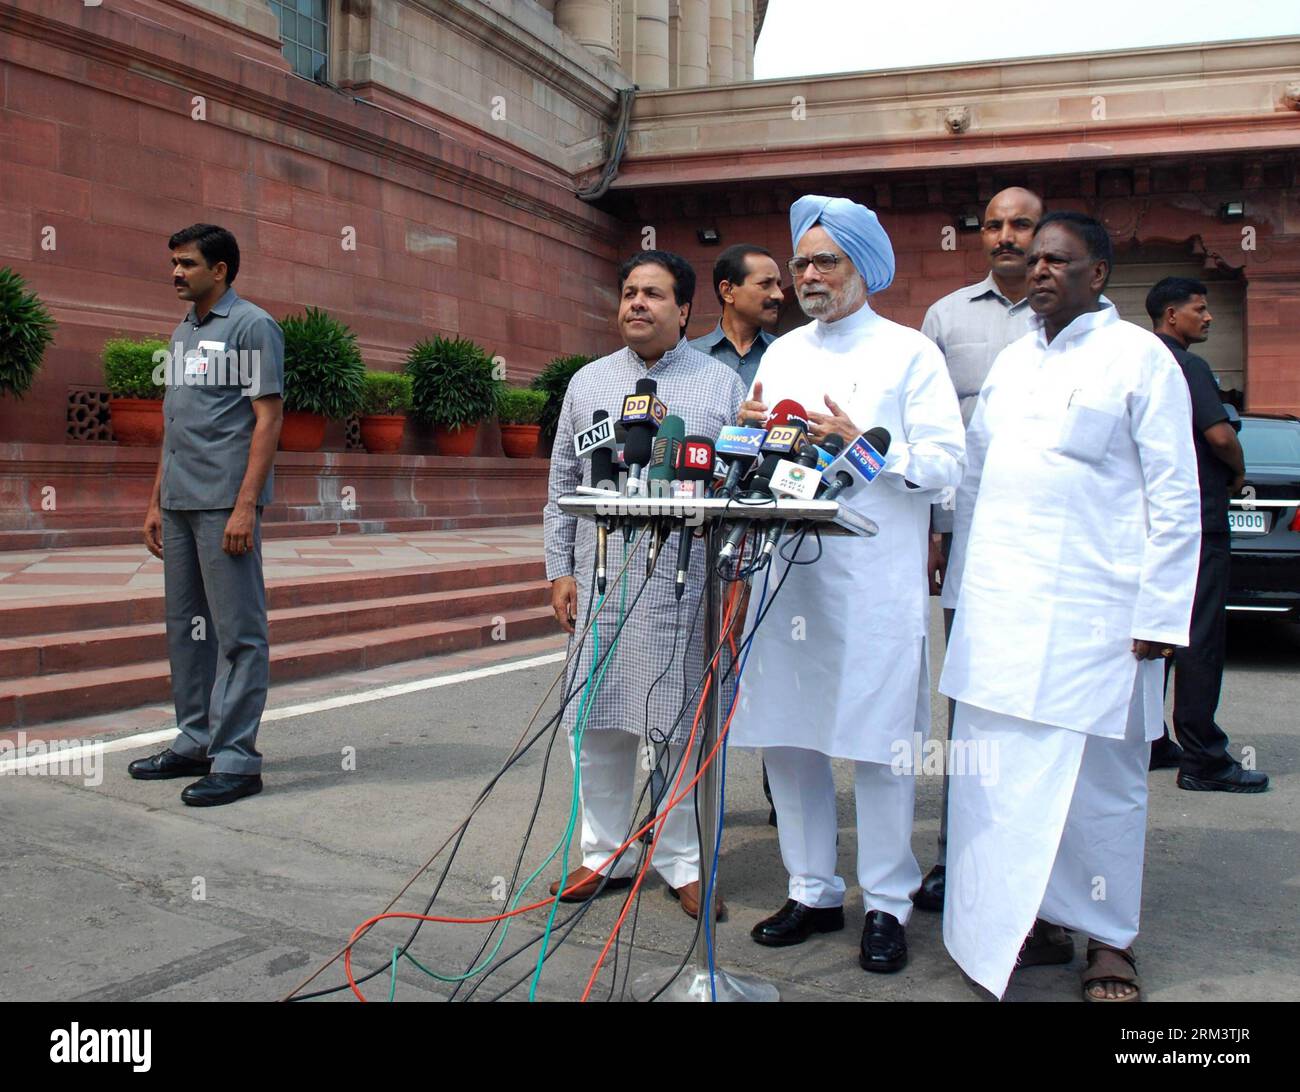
{"type": "Point", "coordinates": [610, 765]}
{"type": "Point", "coordinates": [803, 792]}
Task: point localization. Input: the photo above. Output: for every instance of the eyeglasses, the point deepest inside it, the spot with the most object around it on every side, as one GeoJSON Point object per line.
{"type": "Point", "coordinates": [825, 261]}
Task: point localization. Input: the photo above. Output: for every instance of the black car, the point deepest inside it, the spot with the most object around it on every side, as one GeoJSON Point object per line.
{"type": "Point", "coordinates": [1265, 520]}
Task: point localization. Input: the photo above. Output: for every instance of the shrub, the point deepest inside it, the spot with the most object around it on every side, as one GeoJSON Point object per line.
{"type": "Point", "coordinates": [554, 382]}
{"type": "Point", "coordinates": [26, 331]}
{"type": "Point", "coordinates": [323, 370]}
{"type": "Point", "coordinates": [129, 367]}
{"type": "Point", "coordinates": [451, 382]}
{"type": "Point", "coordinates": [386, 393]}
{"type": "Point", "coordinates": [520, 406]}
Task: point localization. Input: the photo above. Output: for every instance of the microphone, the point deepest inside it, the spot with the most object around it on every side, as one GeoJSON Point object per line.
{"type": "Point", "coordinates": [597, 436]}
{"type": "Point", "coordinates": [642, 415]}
{"type": "Point", "coordinates": [858, 464]}
{"type": "Point", "coordinates": [696, 466]}
{"type": "Point", "coordinates": [797, 479]}
{"type": "Point", "coordinates": [741, 446]}
{"type": "Point", "coordinates": [773, 450]}
{"type": "Point", "coordinates": [788, 412]}
{"type": "Point", "coordinates": [598, 441]}
{"type": "Point", "coordinates": [664, 456]}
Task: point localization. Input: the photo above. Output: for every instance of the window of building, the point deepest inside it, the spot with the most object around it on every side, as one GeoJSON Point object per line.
{"type": "Point", "coordinates": [304, 30]}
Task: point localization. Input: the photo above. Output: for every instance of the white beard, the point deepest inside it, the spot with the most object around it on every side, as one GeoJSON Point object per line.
{"type": "Point", "coordinates": [831, 307]}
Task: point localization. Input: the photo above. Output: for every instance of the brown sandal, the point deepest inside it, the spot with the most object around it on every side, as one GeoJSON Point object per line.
{"type": "Point", "coordinates": [1110, 965]}
{"type": "Point", "coordinates": [1046, 944]}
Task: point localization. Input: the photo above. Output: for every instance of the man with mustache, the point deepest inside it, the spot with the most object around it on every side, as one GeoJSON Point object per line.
{"type": "Point", "coordinates": [747, 282]}
{"type": "Point", "coordinates": [1074, 556]}
{"type": "Point", "coordinates": [1181, 318]}
{"type": "Point", "coordinates": [971, 326]}
{"type": "Point", "coordinates": [214, 477]}
{"type": "Point", "coordinates": [660, 656]}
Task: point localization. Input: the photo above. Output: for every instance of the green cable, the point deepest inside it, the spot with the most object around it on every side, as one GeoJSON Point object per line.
{"type": "Point", "coordinates": [578, 731]}
{"type": "Point", "coordinates": [562, 844]}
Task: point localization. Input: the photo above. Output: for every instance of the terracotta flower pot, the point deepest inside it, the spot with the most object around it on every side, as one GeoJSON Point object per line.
{"type": "Point", "coordinates": [382, 432]}
{"type": "Point", "coordinates": [520, 441]}
{"type": "Point", "coordinates": [302, 431]}
{"type": "Point", "coordinates": [137, 422]}
{"type": "Point", "coordinates": [455, 441]}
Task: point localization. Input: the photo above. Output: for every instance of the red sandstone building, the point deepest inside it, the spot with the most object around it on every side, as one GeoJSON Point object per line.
{"type": "Point", "coordinates": [450, 139]}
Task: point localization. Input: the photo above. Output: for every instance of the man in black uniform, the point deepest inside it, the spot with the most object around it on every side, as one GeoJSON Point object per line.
{"type": "Point", "coordinates": [1181, 317]}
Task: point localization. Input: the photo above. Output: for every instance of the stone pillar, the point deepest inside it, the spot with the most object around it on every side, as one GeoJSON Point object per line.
{"type": "Point", "coordinates": [738, 39]}
{"type": "Point", "coordinates": [651, 44]}
{"type": "Point", "coordinates": [591, 22]}
{"type": "Point", "coordinates": [692, 43]}
{"type": "Point", "coordinates": [720, 66]}
{"type": "Point", "coordinates": [749, 39]}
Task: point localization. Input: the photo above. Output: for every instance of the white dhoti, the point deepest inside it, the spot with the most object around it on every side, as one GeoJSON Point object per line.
{"type": "Point", "coordinates": [803, 792]}
{"type": "Point", "coordinates": [610, 760]}
{"type": "Point", "coordinates": [1057, 832]}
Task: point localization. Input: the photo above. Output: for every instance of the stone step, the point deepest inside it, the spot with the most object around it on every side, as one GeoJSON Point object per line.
{"type": "Point", "coordinates": [117, 646]}
{"type": "Point", "coordinates": [55, 538]}
{"type": "Point", "coordinates": [44, 698]}
{"type": "Point", "coordinates": [67, 614]}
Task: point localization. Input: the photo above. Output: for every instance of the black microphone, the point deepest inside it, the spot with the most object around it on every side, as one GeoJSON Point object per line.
{"type": "Point", "coordinates": [602, 474]}
{"type": "Point", "coordinates": [758, 490]}
{"type": "Point", "coordinates": [776, 528]}
{"type": "Point", "coordinates": [642, 415]}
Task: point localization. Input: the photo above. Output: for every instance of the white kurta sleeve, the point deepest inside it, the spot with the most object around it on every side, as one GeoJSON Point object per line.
{"type": "Point", "coordinates": [930, 454]}
{"type": "Point", "coordinates": [1161, 415]}
{"type": "Point", "coordinates": [977, 445]}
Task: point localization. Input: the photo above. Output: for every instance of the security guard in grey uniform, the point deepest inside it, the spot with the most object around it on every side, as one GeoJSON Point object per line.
{"type": "Point", "coordinates": [222, 412]}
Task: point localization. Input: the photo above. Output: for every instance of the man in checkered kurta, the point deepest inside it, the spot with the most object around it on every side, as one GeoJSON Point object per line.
{"type": "Point", "coordinates": [660, 655]}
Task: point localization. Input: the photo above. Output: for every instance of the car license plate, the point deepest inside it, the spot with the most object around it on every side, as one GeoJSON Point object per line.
{"type": "Point", "coordinates": [1243, 522]}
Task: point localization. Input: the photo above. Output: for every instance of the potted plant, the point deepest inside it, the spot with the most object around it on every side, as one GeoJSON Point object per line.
{"type": "Point", "coordinates": [519, 409]}
{"type": "Point", "coordinates": [26, 331]}
{"type": "Point", "coordinates": [452, 388]}
{"type": "Point", "coordinates": [135, 399]}
{"type": "Point", "coordinates": [385, 400]}
{"type": "Point", "coordinates": [554, 382]}
{"type": "Point", "coordinates": [324, 377]}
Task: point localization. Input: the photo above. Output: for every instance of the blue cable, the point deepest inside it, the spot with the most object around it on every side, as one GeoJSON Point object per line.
{"type": "Point", "coordinates": [722, 800]}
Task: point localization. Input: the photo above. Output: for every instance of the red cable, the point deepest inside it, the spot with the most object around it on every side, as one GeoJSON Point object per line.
{"type": "Point", "coordinates": [645, 864]}
{"type": "Point", "coordinates": [657, 820]}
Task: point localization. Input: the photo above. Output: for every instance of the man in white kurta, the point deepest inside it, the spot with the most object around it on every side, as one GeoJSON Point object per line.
{"type": "Point", "coordinates": [1073, 570]}
{"type": "Point", "coordinates": [839, 669]}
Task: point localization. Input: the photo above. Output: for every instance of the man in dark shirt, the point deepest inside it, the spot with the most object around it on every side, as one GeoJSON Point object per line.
{"type": "Point", "coordinates": [747, 282]}
{"type": "Point", "coordinates": [222, 411]}
{"type": "Point", "coordinates": [1181, 317]}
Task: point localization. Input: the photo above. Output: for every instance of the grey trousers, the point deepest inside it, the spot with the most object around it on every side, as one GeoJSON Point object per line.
{"type": "Point", "coordinates": [216, 640]}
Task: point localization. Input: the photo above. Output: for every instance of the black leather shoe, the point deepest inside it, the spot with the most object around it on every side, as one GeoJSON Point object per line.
{"type": "Point", "coordinates": [1165, 755]}
{"type": "Point", "coordinates": [221, 788]}
{"type": "Point", "coordinates": [884, 944]}
{"type": "Point", "coordinates": [1235, 779]}
{"type": "Point", "coordinates": [794, 923]}
{"type": "Point", "coordinates": [930, 894]}
{"type": "Point", "coordinates": [167, 764]}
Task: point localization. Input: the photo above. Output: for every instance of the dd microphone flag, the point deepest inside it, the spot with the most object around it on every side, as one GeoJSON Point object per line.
{"type": "Point", "coordinates": [642, 414]}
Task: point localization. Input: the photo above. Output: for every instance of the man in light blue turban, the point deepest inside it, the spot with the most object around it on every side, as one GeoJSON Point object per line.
{"type": "Point", "coordinates": [847, 676]}
{"type": "Point", "coordinates": [853, 227]}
